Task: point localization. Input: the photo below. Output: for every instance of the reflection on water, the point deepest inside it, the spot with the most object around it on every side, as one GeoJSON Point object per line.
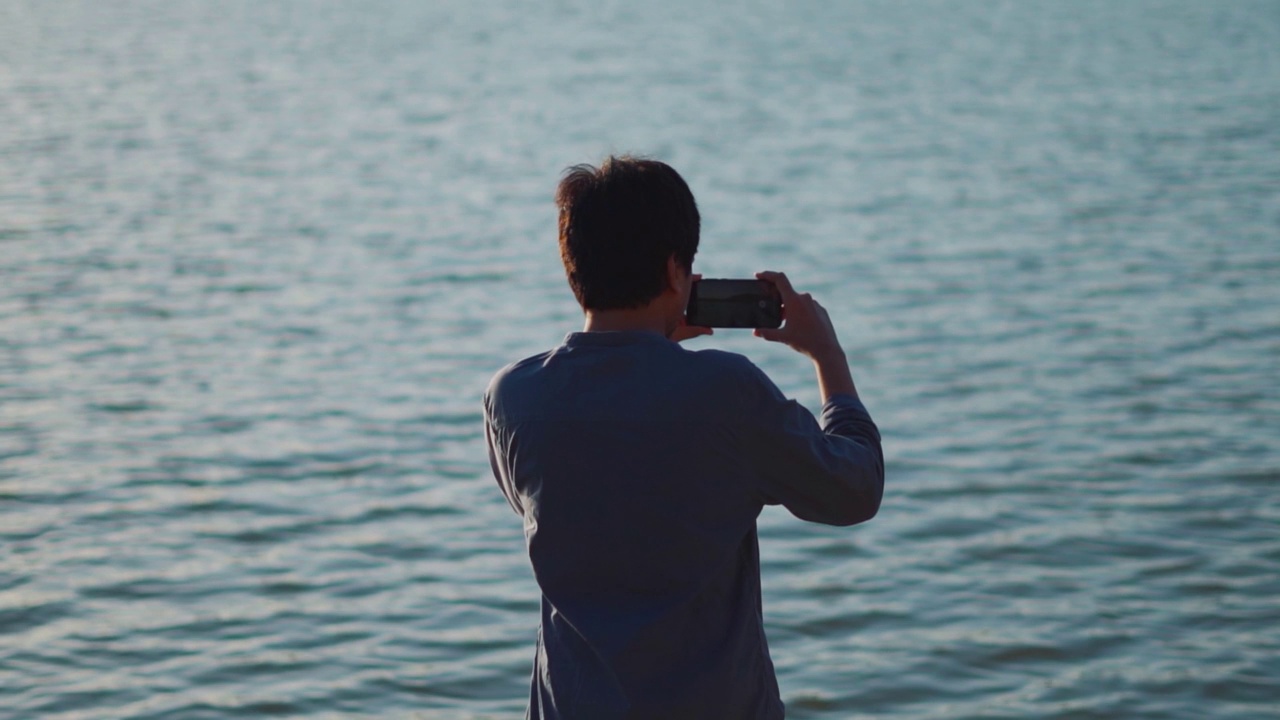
{"type": "Point", "coordinates": [258, 262]}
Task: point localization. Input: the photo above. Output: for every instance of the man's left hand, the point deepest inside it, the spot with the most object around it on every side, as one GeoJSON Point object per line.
{"type": "Point", "coordinates": [684, 331]}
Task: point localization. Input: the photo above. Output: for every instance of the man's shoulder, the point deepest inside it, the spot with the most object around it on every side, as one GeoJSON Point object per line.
{"type": "Point", "coordinates": [511, 373]}
{"type": "Point", "coordinates": [730, 377]}
{"type": "Point", "coordinates": [723, 372]}
{"type": "Point", "coordinates": [723, 361]}
{"type": "Point", "coordinates": [729, 362]}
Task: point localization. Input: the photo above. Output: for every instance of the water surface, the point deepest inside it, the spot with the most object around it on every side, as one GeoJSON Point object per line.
{"type": "Point", "coordinates": [258, 261]}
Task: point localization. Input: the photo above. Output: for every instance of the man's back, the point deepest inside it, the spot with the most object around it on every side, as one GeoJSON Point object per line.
{"type": "Point", "coordinates": [640, 469]}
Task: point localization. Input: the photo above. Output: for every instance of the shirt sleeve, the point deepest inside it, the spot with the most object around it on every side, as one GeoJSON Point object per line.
{"type": "Point", "coordinates": [831, 473]}
{"type": "Point", "coordinates": [497, 462]}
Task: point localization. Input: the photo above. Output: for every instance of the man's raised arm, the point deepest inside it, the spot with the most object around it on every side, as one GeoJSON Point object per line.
{"type": "Point", "coordinates": [833, 473]}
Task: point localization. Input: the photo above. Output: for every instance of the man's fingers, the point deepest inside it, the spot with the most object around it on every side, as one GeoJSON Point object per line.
{"type": "Point", "coordinates": [780, 280]}
{"type": "Point", "coordinates": [770, 334]}
{"type": "Point", "coordinates": [685, 331]}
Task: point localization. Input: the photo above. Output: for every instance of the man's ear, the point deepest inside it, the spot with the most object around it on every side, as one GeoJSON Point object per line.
{"type": "Point", "coordinates": [675, 274]}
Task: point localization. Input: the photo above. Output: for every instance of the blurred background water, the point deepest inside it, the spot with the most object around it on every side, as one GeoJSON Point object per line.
{"type": "Point", "coordinates": [259, 259]}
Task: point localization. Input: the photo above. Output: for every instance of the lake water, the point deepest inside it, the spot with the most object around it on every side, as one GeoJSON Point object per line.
{"type": "Point", "coordinates": [258, 261]}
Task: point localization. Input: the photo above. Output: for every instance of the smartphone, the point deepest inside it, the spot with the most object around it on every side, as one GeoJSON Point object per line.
{"type": "Point", "coordinates": [734, 304]}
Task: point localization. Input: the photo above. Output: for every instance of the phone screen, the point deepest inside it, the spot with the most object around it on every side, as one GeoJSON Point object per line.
{"type": "Point", "coordinates": [734, 304]}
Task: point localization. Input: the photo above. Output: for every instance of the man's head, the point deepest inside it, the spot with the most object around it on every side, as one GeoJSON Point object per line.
{"type": "Point", "coordinates": [622, 225]}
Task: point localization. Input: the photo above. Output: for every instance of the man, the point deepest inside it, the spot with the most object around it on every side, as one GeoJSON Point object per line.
{"type": "Point", "coordinates": [640, 467]}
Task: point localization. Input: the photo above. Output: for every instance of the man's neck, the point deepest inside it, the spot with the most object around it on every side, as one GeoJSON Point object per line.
{"type": "Point", "coordinates": [641, 319]}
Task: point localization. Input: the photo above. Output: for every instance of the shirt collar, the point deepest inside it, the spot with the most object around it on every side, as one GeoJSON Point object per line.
{"type": "Point", "coordinates": [613, 338]}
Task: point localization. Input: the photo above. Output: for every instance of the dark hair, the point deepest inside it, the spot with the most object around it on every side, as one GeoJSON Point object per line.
{"type": "Point", "coordinates": [619, 224]}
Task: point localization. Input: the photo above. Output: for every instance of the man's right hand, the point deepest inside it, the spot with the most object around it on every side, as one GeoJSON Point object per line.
{"type": "Point", "coordinates": [807, 329]}
{"type": "Point", "coordinates": [808, 326]}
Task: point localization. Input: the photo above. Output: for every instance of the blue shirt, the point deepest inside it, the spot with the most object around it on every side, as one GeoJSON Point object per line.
{"type": "Point", "coordinates": [640, 468]}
